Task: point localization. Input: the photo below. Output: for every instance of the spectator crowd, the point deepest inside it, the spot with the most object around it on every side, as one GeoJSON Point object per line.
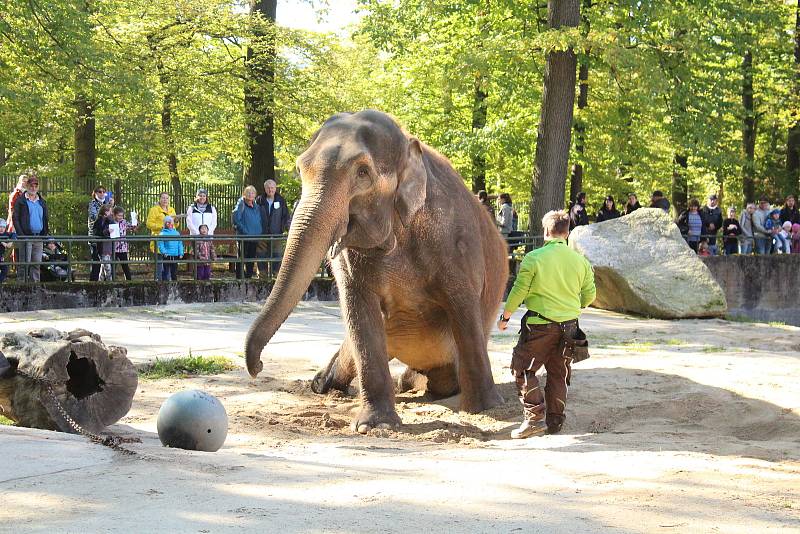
{"type": "Point", "coordinates": [265, 217]}
{"type": "Point", "coordinates": [26, 239]}
{"type": "Point", "coordinates": [760, 229]}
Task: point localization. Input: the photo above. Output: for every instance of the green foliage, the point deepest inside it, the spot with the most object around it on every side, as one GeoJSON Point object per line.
{"type": "Point", "coordinates": [665, 79]}
{"type": "Point", "coordinates": [67, 212]}
{"type": "Point", "coordinates": [6, 421]}
{"type": "Point", "coordinates": [186, 366]}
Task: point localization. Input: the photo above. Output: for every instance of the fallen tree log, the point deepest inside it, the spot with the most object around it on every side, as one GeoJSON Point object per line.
{"type": "Point", "coordinates": [51, 371]}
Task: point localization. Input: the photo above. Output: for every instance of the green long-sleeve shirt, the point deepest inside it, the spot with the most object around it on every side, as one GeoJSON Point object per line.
{"type": "Point", "coordinates": [555, 281]}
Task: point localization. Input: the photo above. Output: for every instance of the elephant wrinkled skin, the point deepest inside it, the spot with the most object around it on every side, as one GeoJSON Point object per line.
{"type": "Point", "coordinates": [419, 264]}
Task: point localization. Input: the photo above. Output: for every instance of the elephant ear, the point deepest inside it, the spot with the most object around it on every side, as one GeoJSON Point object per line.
{"type": "Point", "coordinates": [411, 183]}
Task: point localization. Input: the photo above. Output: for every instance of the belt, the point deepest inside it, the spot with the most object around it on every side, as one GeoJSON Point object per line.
{"type": "Point", "coordinates": [552, 326]}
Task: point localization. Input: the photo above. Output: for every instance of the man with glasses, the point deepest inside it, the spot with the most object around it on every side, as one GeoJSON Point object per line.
{"type": "Point", "coordinates": [30, 221]}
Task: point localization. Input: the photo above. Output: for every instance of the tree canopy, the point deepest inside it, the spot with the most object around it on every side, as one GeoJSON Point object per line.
{"type": "Point", "coordinates": [666, 80]}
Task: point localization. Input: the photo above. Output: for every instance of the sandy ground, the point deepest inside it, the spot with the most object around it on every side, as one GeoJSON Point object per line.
{"type": "Point", "coordinates": [690, 426]}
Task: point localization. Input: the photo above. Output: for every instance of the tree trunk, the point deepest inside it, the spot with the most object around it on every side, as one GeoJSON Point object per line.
{"type": "Point", "coordinates": [259, 96]}
{"type": "Point", "coordinates": [793, 138]}
{"type": "Point", "coordinates": [478, 124]}
{"type": "Point", "coordinates": [172, 156]}
{"type": "Point", "coordinates": [85, 144]}
{"type": "Point", "coordinates": [555, 123]}
{"type": "Point", "coordinates": [680, 183]}
{"type": "Point", "coordinates": [748, 129]}
{"type": "Point", "coordinates": [2, 154]}
{"type": "Point", "coordinates": [93, 383]}
{"type": "Point", "coordinates": [119, 193]}
{"type": "Point", "coordinates": [576, 180]}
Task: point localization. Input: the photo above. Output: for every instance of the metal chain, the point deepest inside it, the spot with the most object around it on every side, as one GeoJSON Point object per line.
{"type": "Point", "coordinates": [110, 441]}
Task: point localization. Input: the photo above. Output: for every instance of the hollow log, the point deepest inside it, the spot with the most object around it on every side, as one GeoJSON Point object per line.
{"type": "Point", "coordinates": [92, 382]}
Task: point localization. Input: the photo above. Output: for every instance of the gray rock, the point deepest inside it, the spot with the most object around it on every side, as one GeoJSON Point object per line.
{"type": "Point", "coordinates": [642, 265]}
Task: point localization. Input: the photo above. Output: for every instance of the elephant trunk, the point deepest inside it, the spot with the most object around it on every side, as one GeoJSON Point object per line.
{"type": "Point", "coordinates": [318, 221]}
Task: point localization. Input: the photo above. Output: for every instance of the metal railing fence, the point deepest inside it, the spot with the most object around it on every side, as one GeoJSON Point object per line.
{"type": "Point", "coordinates": [69, 258]}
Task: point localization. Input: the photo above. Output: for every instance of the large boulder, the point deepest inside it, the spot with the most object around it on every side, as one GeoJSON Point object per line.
{"type": "Point", "coordinates": [642, 265]}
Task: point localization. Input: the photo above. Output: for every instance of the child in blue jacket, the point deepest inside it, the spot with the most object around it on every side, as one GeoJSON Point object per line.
{"type": "Point", "coordinates": [171, 251]}
{"type": "Point", "coordinates": [774, 227]}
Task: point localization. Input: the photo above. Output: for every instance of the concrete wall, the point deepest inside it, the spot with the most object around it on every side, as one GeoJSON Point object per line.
{"type": "Point", "coordinates": [763, 288]}
{"type": "Point", "coordinates": [56, 296]}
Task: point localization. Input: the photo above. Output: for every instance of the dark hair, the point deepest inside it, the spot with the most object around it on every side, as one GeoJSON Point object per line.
{"type": "Point", "coordinates": [505, 197]}
{"type": "Point", "coordinates": [99, 187]}
{"type": "Point", "coordinates": [694, 203]}
{"type": "Point", "coordinates": [657, 193]}
{"type": "Point", "coordinates": [202, 226]}
{"type": "Point", "coordinates": [103, 209]}
{"type": "Point", "coordinates": [117, 210]}
{"type": "Point", "coordinates": [763, 198]}
{"type": "Point", "coordinates": [791, 196]}
{"type": "Point", "coordinates": [482, 195]}
{"type": "Point", "coordinates": [579, 196]}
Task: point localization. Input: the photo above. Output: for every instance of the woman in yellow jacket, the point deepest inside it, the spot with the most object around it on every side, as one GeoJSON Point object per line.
{"type": "Point", "coordinates": [155, 223]}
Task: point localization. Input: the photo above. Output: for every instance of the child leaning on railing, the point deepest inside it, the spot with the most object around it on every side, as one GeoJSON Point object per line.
{"type": "Point", "coordinates": [204, 250]}
{"type": "Point", "coordinates": [172, 251]}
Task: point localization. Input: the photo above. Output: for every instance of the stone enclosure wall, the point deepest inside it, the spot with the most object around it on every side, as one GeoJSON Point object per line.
{"type": "Point", "coordinates": [56, 296]}
{"type": "Point", "coordinates": [762, 288]}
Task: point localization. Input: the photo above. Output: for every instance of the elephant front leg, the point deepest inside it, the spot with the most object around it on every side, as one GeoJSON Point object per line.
{"type": "Point", "coordinates": [367, 334]}
{"type": "Point", "coordinates": [338, 374]}
{"type": "Point", "coordinates": [478, 390]}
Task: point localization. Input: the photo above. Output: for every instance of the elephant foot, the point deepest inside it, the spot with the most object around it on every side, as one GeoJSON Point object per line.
{"type": "Point", "coordinates": [336, 375]}
{"type": "Point", "coordinates": [481, 401]}
{"type": "Point", "coordinates": [322, 382]}
{"type": "Point", "coordinates": [370, 418]}
{"type": "Point", "coordinates": [443, 382]}
{"type": "Point", "coordinates": [410, 380]}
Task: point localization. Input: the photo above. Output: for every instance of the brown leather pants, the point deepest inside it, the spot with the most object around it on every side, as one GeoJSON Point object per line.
{"type": "Point", "coordinates": [542, 346]}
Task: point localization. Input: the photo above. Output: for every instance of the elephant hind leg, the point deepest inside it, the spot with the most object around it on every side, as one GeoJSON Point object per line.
{"type": "Point", "coordinates": [338, 374]}
{"type": "Point", "coordinates": [439, 382]}
{"type": "Point", "coordinates": [443, 381]}
{"type": "Point", "coordinates": [410, 380]}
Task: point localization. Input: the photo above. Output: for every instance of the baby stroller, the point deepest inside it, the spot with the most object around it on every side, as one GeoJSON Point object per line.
{"type": "Point", "coordinates": [55, 265]}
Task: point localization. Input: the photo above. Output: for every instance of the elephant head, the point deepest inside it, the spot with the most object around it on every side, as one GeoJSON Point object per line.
{"type": "Point", "coordinates": [362, 177]}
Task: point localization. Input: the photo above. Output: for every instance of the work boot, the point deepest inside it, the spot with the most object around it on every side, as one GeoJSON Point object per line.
{"type": "Point", "coordinates": [529, 428]}
{"type": "Point", "coordinates": [554, 423]}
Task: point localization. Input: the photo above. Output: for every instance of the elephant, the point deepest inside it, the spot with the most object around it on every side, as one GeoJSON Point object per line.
{"type": "Point", "coordinates": [420, 266]}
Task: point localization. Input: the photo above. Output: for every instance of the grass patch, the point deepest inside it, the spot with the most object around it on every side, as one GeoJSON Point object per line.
{"type": "Point", "coordinates": [236, 309]}
{"type": "Point", "coordinates": [6, 421]}
{"type": "Point", "coordinates": [712, 348]}
{"type": "Point", "coordinates": [186, 366]}
{"type": "Point", "coordinates": [739, 319]}
{"type": "Point", "coordinates": [675, 342]}
{"type": "Point", "coordinates": [638, 346]}
{"type": "Point", "coordinates": [744, 319]}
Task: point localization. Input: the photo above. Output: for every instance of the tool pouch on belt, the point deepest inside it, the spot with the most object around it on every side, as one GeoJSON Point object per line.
{"type": "Point", "coordinates": [576, 347]}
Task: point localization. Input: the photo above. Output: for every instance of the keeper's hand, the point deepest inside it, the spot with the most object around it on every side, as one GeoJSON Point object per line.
{"type": "Point", "coordinates": [502, 323]}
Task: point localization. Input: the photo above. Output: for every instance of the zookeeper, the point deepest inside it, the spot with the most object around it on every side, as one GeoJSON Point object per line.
{"type": "Point", "coordinates": [555, 282]}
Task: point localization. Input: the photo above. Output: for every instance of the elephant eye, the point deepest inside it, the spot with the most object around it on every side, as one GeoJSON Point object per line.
{"type": "Point", "coordinates": [363, 177]}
